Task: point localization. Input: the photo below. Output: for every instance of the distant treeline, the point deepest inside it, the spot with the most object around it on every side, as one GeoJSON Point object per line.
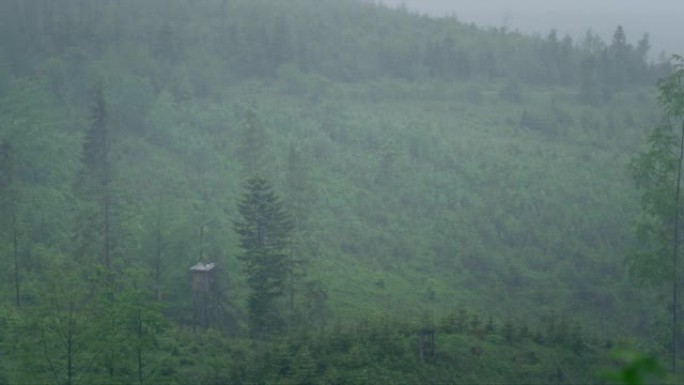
{"type": "Point", "coordinates": [341, 40]}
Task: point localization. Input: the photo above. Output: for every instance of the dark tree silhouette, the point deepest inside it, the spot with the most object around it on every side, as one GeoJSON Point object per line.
{"type": "Point", "coordinates": [265, 232]}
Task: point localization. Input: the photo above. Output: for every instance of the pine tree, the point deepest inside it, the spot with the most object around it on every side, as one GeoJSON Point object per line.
{"type": "Point", "coordinates": [94, 181]}
{"type": "Point", "coordinates": [9, 195]}
{"type": "Point", "coordinates": [95, 225]}
{"type": "Point", "coordinates": [265, 233]}
{"type": "Point", "coordinates": [619, 56]}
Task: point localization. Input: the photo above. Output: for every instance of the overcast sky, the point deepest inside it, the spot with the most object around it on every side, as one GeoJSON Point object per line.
{"type": "Point", "coordinates": [662, 19]}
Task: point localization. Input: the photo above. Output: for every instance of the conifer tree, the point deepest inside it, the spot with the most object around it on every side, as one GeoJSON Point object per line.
{"type": "Point", "coordinates": [265, 231]}
{"type": "Point", "coordinates": [94, 181]}
{"type": "Point", "coordinates": [9, 196]}
{"type": "Point", "coordinates": [94, 231]}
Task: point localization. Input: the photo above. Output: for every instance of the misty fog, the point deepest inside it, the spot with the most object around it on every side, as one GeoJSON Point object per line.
{"type": "Point", "coordinates": [340, 192]}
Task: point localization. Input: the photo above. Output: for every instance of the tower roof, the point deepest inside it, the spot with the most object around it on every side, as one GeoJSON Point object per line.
{"type": "Point", "coordinates": [203, 266]}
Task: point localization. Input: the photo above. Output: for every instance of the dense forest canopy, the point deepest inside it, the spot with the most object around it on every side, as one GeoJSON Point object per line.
{"type": "Point", "coordinates": [361, 177]}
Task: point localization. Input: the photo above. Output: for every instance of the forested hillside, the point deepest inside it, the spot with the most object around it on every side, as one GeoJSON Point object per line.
{"type": "Point", "coordinates": [387, 197]}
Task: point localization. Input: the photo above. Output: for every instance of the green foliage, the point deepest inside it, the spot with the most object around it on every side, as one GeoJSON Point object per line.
{"type": "Point", "coordinates": [636, 369]}
{"type": "Point", "coordinates": [658, 173]}
{"type": "Point", "coordinates": [655, 173]}
{"type": "Point", "coordinates": [511, 91]}
{"type": "Point", "coordinates": [265, 231]}
{"type": "Point", "coordinates": [540, 121]}
{"type": "Point", "coordinates": [508, 331]}
{"type": "Point", "coordinates": [408, 195]}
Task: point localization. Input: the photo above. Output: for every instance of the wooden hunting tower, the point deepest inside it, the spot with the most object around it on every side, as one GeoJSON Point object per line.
{"type": "Point", "coordinates": [205, 294]}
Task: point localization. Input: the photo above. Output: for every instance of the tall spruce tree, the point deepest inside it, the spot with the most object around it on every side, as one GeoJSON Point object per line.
{"type": "Point", "coordinates": [94, 181]}
{"type": "Point", "coordinates": [94, 231]}
{"type": "Point", "coordinates": [265, 231]}
{"type": "Point", "coordinates": [9, 196]}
